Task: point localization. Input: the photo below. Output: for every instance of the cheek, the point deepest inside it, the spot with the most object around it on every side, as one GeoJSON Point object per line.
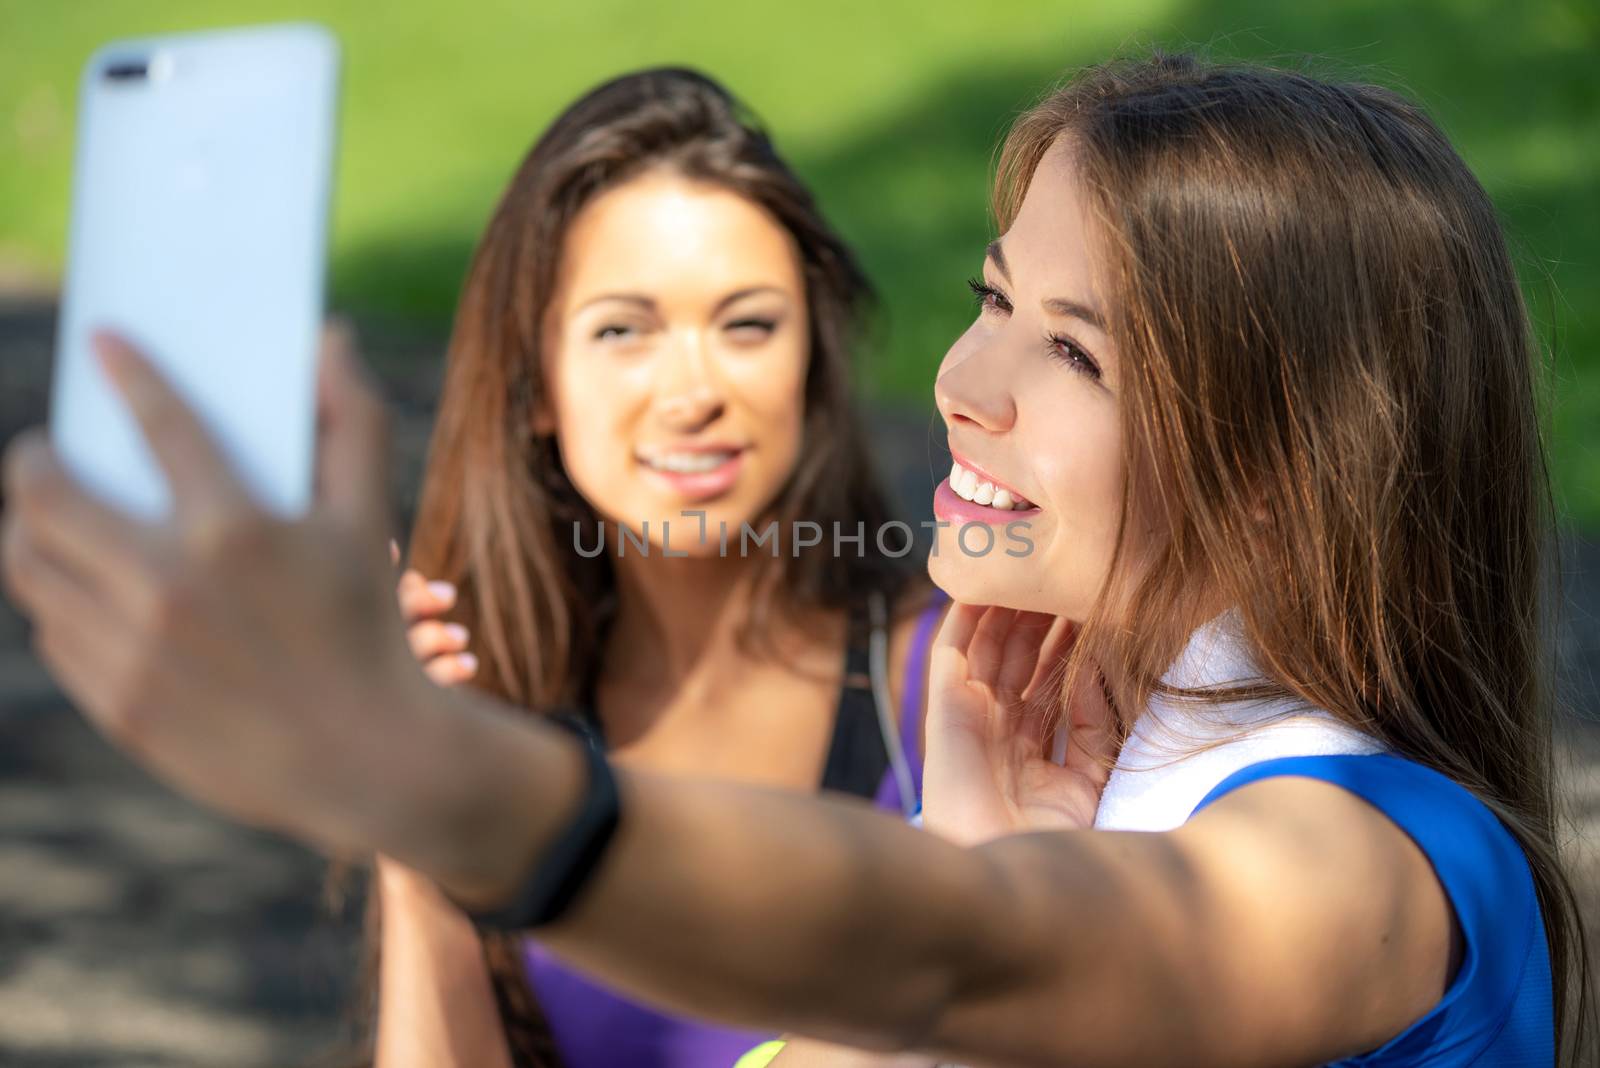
{"type": "Point", "coordinates": [1083, 475]}
{"type": "Point", "coordinates": [1074, 444]}
{"type": "Point", "coordinates": [595, 400]}
{"type": "Point", "coordinates": [775, 378]}
{"type": "Point", "coordinates": [771, 388]}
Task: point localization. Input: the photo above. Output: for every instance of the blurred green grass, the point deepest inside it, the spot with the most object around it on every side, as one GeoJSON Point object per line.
{"type": "Point", "coordinates": [891, 109]}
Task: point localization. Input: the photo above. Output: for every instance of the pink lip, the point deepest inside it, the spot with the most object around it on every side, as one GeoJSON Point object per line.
{"type": "Point", "coordinates": [700, 485]}
{"type": "Point", "coordinates": [947, 504]}
{"type": "Point", "coordinates": [986, 476]}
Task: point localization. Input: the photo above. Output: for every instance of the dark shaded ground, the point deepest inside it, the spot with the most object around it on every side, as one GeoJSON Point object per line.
{"type": "Point", "coordinates": [136, 929]}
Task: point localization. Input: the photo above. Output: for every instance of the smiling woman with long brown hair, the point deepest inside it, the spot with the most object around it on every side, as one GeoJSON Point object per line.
{"type": "Point", "coordinates": [1251, 360]}
{"type": "Point", "coordinates": [656, 336]}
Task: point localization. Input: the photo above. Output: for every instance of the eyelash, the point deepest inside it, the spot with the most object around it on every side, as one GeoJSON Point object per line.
{"type": "Point", "coordinates": [766, 326]}
{"type": "Point", "coordinates": [1062, 349]}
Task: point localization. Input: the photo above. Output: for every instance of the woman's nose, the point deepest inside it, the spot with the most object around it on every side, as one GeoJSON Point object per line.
{"type": "Point", "coordinates": [971, 388]}
{"type": "Point", "coordinates": [688, 396]}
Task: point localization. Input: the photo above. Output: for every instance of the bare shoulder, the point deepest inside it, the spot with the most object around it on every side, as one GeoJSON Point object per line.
{"type": "Point", "coordinates": [1314, 897]}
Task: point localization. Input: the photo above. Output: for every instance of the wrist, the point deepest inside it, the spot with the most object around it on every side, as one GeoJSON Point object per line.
{"type": "Point", "coordinates": [567, 863]}
{"type": "Point", "coordinates": [488, 794]}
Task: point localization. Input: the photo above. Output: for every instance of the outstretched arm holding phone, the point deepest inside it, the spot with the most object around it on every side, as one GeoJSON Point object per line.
{"type": "Point", "coordinates": [257, 664]}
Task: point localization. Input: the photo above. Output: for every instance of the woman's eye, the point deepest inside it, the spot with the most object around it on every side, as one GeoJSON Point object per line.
{"type": "Point", "coordinates": [613, 331]}
{"type": "Point", "coordinates": [989, 298]}
{"type": "Point", "coordinates": [752, 329]}
{"type": "Point", "coordinates": [1069, 352]}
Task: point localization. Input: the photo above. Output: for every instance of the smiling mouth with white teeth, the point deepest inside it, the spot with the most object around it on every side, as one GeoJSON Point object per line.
{"type": "Point", "coordinates": [970, 487]}
{"type": "Point", "coordinates": [686, 462]}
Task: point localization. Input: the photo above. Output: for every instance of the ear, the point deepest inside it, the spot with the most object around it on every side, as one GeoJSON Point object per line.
{"type": "Point", "coordinates": [538, 384]}
{"type": "Point", "coordinates": [536, 402]}
{"type": "Point", "coordinates": [543, 420]}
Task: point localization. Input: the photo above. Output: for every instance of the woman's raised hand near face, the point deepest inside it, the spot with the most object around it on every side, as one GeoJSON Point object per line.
{"type": "Point", "coordinates": [988, 771]}
{"type": "Point", "coordinates": [993, 697]}
{"type": "Point", "coordinates": [440, 646]}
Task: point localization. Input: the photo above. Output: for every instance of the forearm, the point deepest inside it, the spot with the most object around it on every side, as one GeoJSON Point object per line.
{"type": "Point", "coordinates": [763, 908]}
{"type": "Point", "coordinates": [770, 910]}
{"type": "Point", "coordinates": [436, 1005]}
{"type": "Point", "coordinates": [719, 900]}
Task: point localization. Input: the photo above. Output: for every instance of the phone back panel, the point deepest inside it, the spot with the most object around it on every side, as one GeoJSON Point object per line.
{"type": "Point", "coordinates": [199, 231]}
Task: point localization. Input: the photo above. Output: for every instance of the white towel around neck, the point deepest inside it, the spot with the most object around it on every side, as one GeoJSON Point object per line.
{"type": "Point", "coordinates": [1161, 773]}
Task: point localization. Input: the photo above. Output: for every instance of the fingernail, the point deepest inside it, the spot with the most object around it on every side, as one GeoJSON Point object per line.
{"type": "Point", "coordinates": [444, 591]}
{"type": "Point", "coordinates": [455, 632]}
{"type": "Point", "coordinates": [469, 663]}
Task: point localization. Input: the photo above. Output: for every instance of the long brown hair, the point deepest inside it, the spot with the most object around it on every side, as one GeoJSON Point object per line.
{"type": "Point", "coordinates": [496, 511]}
{"type": "Point", "coordinates": [1330, 392]}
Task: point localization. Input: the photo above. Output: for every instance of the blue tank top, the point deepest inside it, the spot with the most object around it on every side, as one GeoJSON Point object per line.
{"type": "Point", "coordinates": [1498, 1009]}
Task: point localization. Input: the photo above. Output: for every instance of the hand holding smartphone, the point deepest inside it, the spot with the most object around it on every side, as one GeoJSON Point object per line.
{"type": "Point", "coordinates": [201, 191]}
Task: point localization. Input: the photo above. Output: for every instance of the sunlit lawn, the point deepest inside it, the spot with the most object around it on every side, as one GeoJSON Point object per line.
{"type": "Point", "coordinates": [891, 109]}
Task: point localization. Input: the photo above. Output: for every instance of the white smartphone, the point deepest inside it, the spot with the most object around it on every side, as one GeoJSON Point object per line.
{"type": "Point", "coordinates": [200, 204]}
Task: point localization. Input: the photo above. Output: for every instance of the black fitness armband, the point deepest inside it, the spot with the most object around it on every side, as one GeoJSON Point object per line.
{"type": "Point", "coordinates": [568, 862]}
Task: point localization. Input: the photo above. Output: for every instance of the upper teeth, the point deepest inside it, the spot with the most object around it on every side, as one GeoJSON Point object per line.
{"type": "Point", "coordinates": [969, 486]}
{"type": "Point", "coordinates": [686, 462]}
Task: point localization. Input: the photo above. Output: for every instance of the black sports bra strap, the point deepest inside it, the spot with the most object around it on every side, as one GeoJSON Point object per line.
{"type": "Point", "coordinates": [857, 756]}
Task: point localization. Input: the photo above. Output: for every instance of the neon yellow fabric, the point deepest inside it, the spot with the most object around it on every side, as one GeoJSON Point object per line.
{"type": "Point", "coordinates": [761, 1056]}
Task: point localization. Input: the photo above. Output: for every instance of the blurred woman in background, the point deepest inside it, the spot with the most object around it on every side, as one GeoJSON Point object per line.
{"type": "Point", "coordinates": [656, 332]}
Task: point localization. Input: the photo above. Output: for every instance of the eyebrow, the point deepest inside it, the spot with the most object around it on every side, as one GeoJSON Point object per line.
{"type": "Point", "coordinates": [998, 255]}
{"type": "Point", "coordinates": [649, 303]}
{"type": "Point", "coordinates": [1059, 305]}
